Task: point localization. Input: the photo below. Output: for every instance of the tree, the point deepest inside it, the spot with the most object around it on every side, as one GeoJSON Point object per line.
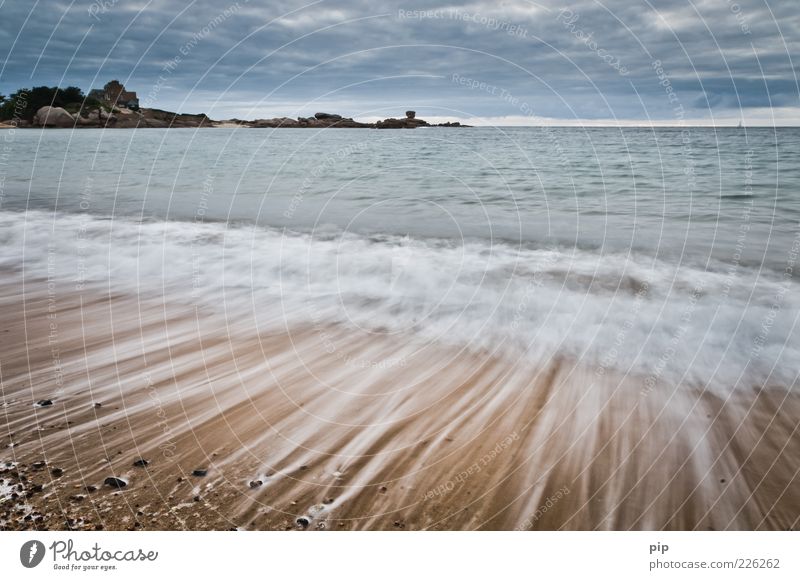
{"type": "Point", "coordinates": [25, 102]}
{"type": "Point", "coordinates": [14, 105]}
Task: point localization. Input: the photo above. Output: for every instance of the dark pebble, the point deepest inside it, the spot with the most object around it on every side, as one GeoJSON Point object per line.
{"type": "Point", "coordinates": [327, 500]}
{"type": "Point", "coordinates": [383, 489]}
{"type": "Point", "coordinates": [37, 488]}
{"type": "Point", "coordinates": [114, 482]}
{"type": "Point", "coordinates": [141, 462]}
{"type": "Point", "coordinates": [200, 472]}
{"type": "Point", "coordinates": [303, 522]}
{"type": "Point", "coordinates": [256, 483]}
{"type": "Point", "coordinates": [303, 467]}
{"type": "Point", "coordinates": [44, 403]}
{"type": "Point", "coordinates": [98, 405]}
{"type": "Point", "coordinates": [57, 472]}
{"type": "Point", "coordinates": [91, 488]}
{"type": "Point", "coordinates": [38, 464]}
{"type": "Point", "coordinates": [722, 481]}
{"type": "Point", "coordinates": [196, 498]}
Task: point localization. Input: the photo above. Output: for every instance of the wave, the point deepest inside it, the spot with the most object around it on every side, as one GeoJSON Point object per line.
{"type": "Point", "coordinates": [723, 327]}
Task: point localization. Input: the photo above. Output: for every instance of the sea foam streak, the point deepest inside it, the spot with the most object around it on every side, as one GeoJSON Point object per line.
{"type": "Point", "coordinates": [727, 328]}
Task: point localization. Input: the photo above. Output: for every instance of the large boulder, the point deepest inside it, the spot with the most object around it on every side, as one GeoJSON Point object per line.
{"type": "Point", "coordinates": [327, 116]}
{"type": "Point", "coordinates": [53, 117]}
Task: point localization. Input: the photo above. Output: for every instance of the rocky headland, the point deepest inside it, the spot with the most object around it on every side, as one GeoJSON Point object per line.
{"type": "Point", "coordinates": [111, 116]}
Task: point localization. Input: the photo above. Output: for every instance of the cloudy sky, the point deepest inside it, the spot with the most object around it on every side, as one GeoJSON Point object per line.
{"type": "Point", "coordinates": [501, 62]}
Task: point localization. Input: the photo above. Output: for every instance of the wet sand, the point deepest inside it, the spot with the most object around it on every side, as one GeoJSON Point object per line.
{"type": "Point", "coordinates": [331, 428]}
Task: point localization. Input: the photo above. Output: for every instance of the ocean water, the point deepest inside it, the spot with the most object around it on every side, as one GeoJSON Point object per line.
{"type": "Point", "coordinates": [669, 253]}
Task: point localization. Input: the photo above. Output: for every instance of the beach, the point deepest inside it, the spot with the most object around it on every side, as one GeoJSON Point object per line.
{"type": "Point", "coordinates": [414, 330]}
{"type": "Point", "coordinates": [294, 437]}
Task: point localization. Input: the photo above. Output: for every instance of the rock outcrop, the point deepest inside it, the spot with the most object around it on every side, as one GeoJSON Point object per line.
{"type": "Point", "coordinates": [318, 121]}
{"type": "Point", "coordinates": [53, 117]}
{"type": "Point", "coordinates": [410, 122]}
{"type": "Point", "coordinates": [276, 122]}
{"type": "Point", "coordinates": [110, 116]}
{"type": "Point", "coordinates": [96, 118]}
{"type": "Point", "coordinates": [324, 120]}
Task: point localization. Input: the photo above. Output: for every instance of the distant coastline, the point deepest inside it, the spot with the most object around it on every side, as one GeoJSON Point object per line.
{"type": "Point", "coordinates": [59, 118]}
{"type": "Point", "coordinates": [114, 107]}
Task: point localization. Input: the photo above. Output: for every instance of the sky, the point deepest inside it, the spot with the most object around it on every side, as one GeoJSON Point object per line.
{"type": "Point", "coordinates": [515, 62]}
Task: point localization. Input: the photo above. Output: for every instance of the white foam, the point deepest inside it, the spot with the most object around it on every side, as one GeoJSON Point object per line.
{"type": "Point", "coordinates": [723, 327]}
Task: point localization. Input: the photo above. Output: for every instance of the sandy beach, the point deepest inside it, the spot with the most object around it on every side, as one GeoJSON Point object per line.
{"type": "Point", "coordinates": [326, 428]}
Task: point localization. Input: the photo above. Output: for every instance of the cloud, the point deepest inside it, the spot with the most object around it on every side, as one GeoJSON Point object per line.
{"type": "Point", "coordinates": [580, 62]}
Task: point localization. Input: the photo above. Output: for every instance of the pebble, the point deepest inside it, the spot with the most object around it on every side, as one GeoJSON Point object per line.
{"type": "Point", "coordinates": [383, 489]}
{"type": "Point", "coordinates": [327, 500]}
{"type": "Point", "coordinates": [256, 483]}
{"type": "Point", "coordinates": [303, 522]}
{"type": "Point", "coordinates": [200, 472]}
{"type": "Point", "coordinates": [44, 403]}
{"type": "Point", "coordinates": [141, 462]}
{"type": "Point", "coordinates": [57, 472]}
{"type": "Point", "coordinates": [115, 482]}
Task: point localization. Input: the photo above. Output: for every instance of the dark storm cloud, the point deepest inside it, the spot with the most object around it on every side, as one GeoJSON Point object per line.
{"type": "Point", "coordinates": [582, 59]}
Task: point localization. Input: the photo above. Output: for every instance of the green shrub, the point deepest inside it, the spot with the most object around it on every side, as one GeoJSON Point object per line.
{"type": "Point", "coordinates": [25, 102]}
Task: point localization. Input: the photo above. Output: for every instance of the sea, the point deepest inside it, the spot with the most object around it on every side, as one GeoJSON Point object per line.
{"type": "Point", "coordinates": [669, 253]}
